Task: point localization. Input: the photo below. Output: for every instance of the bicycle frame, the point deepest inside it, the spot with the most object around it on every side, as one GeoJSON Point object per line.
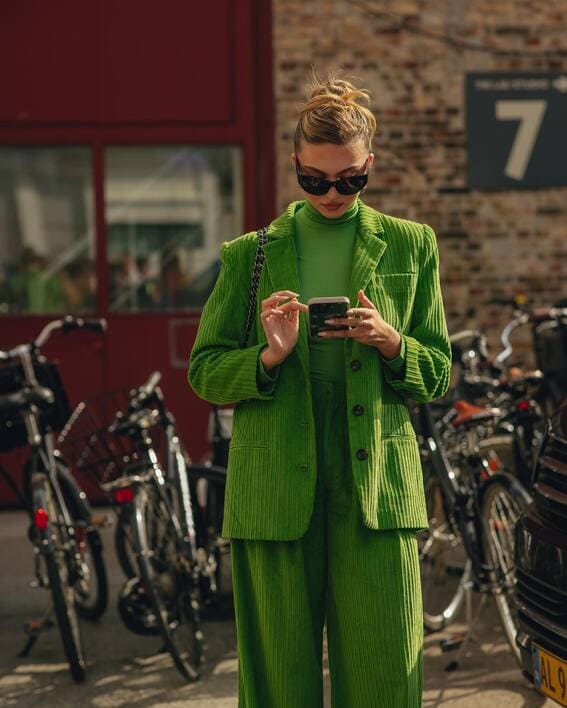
{"type": "Point", "coordinates": [462, 508]}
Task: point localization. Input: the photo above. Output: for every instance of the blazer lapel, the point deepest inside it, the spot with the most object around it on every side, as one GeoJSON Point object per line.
{"type": "Point", "coordinates": [368, 250]}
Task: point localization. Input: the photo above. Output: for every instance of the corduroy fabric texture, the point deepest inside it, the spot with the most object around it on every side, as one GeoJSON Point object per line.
{"type": "Point", "coordinates": [272, 465]}
{"type": "Point", "coordinates": [366, 583]}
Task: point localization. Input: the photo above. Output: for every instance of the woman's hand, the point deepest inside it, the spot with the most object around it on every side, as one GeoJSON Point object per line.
{"type": "Point", "coordinates": [367, 328]}
{"type": "Point", "coordinates": [281, 325]}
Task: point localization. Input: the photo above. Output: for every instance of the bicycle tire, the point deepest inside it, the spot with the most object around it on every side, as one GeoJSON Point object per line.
{"type": "Point", "coordinates": [445, 568]}
{"type": "Point", "coordinates": [56, 563]}
{"type": "Point", "coordinates": [165, 578]}
{"type": "Point", "coordinates": [123, 547]}
{"type": "Point", "coordinates": [503, 501]}
{"type": "Point", "coordinates": [96, 579]}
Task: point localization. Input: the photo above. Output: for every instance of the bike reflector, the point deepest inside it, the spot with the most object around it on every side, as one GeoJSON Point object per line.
{"type": "Point", "coordinates": [523, 405]}
{"type": "Point", "coordinates": [123, 496]}
{"type": "Point", "coordinates": [41, 519]}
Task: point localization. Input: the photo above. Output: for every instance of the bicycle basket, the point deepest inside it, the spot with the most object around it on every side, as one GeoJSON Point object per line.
{"type": "Point", "coordinates": [53, 417]}
{"type": "Point", "coordinates": [91, 449]}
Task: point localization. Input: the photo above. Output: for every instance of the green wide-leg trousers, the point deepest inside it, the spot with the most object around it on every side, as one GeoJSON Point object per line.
{"type": "Point", "coordinates": [364, 583]}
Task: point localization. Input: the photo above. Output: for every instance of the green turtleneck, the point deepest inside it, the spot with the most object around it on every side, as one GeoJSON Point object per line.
{"type": "Point", "coordinates": [324, 258]}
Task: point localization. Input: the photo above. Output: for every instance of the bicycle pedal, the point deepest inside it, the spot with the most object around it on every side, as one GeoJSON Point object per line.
{"type": "Point", "coordinates": [35, 626]}
{"type": "Point", "coordinates": [100, 521]}
{"type": "Point", "coordinates": [451, 643]}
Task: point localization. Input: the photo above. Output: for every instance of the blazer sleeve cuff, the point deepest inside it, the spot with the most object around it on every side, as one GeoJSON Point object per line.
{"type": "Point", "coordinates": [396, 364]}
{"type": "Point", "coordinates": [266, 380]}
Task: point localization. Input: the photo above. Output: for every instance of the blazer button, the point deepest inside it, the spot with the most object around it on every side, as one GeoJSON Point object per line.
{"type": "Point", "coordinates": [355, 364]}
{"type": "Point", "coordinates": [362, 454]}
{"type": "Point", "coordinates": [358, 410]}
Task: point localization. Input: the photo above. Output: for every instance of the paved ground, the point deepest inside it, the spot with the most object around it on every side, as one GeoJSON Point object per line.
{"type": "Point", "coordinates": [123, 669]}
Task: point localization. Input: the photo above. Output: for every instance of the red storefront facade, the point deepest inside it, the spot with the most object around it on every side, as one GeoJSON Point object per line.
{"type": "Point", "coordinates": [181, 92]}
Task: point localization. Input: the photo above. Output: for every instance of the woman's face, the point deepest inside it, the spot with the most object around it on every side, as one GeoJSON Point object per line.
{"type": "Point", "coordinates": [331, 162]}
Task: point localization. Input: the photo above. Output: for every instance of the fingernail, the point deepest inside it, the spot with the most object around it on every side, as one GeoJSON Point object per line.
{"type": "Point", "coordinates": [329, 321]}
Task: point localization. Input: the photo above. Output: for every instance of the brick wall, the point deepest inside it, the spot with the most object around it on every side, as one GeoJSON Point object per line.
{"type": "Point", "coordinates": [492, 244]}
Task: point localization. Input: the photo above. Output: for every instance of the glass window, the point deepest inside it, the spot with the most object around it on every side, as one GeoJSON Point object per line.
{"type": "Point", "coordinates": [47, 242]}
{"type": "Point", "coordinates": [168, 209]}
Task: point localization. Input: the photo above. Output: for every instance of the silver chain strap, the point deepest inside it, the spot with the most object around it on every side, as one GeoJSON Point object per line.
{"type": "Point", "coordinates": [256, 272]}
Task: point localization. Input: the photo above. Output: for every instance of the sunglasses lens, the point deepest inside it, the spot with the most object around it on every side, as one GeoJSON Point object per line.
{"type": "Point", "coordinates": [314, 185]}
{"type": "Point", "coordinates": [351, 185]}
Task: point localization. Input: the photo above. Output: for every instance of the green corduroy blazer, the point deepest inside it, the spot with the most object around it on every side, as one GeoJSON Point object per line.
{"type": "Point", "coordinates": [272, 464]}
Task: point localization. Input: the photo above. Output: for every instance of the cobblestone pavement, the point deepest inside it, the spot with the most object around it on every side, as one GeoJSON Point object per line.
{"type": "Point", "coordinates": [124, 669]}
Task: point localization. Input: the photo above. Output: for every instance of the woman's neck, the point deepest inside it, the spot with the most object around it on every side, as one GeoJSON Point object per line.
{"type": "Point", "coordinates": [314, 215]}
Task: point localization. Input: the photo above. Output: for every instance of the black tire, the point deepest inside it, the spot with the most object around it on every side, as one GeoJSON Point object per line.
{"type": "Point", "coordinates": [123, 546]}
{"type": "Point", "coordinates": [91, 591]}
{"type": "Point", "coordinates": [503, 501]}
{"type": "Point", "coordinates": [60, 574]}
{"type": "Point", "coordinates": [167, 581]}
{"type": "Point", "coordinates": [444, 565]}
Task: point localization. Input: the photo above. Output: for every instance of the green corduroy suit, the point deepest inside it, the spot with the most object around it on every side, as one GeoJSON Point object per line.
{"type": "Point", "coordinates": [273, 508]}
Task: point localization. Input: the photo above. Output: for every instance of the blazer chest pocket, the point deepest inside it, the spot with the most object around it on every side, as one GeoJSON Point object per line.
{"type": "Point", "coordinates": [395, 293]}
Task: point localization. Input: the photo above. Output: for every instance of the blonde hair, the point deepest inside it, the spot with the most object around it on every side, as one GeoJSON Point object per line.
{"type": "Point", "coordinates": [334, 114]}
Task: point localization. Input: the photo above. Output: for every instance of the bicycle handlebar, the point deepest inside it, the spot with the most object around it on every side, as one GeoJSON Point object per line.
{"type": "Point", "coordinates": [537, 315]}
{"type": "Point", "coordinates": [505, 336]}
{"type": "Point", "coordinates": [140, 396]}
{"type": "Point", "coordinates": [69, 324]}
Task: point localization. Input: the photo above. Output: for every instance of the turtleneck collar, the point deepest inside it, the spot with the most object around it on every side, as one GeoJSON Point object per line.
{"type": "Point", "coordinates": [316, 216]}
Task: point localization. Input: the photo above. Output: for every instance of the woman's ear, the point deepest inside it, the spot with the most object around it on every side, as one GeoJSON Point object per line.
{"type": "Point", "coordinates": [370, 159]}
{"type": "Point", "coordinates": [293, 158]}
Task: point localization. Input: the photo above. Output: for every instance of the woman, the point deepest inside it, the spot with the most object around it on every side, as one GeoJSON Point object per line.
{"type": "Point", "coordinates": [324, 490]}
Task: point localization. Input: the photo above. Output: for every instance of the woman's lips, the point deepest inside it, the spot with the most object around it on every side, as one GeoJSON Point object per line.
{"type": "Point", "coordinates": [332, 207]}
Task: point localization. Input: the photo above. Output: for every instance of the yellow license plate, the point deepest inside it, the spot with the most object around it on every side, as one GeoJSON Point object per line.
{"type": "Point", "coordinates": [550, 674]}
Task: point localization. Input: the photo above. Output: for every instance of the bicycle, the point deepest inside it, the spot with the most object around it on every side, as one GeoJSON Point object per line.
{"type": "Point", "coordinates": [158, 538]}
{"type": "Point", "coordinates": [67, 548]}
{"type": "Point", "coordinates": [477, 510]}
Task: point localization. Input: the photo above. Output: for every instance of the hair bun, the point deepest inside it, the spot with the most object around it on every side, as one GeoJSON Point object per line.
{"type": "Point", "coordinates": [334, 113]}
{"type": "Point", "coordinates": [334, 88]}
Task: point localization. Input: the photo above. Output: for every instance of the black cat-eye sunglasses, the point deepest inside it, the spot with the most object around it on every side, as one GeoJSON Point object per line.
{"type": "Point", "coordinates": [343, 185]}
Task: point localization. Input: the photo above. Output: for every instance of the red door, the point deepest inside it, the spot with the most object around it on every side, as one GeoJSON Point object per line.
{"type": "Point", "coordinates": [132, 144]}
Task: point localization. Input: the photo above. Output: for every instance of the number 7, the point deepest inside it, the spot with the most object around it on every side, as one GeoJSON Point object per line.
{"type": "Point", "coordinates": [530, 114]}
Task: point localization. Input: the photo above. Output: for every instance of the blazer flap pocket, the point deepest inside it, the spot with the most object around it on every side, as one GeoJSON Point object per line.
{"type": "Point", "coordinates": [396, 282]}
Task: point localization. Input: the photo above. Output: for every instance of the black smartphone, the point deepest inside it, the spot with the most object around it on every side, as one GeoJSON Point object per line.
{"type": "Point", "coordinates": [323, 308]}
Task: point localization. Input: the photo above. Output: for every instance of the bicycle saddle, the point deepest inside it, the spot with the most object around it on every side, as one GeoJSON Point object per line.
{"type": "Point", "coordinates": [469, 413]}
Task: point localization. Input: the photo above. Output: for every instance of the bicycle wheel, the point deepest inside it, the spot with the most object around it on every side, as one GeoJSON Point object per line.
{"type": "Point", "coordinates": [444, 565]}
{"type": "Point", "coordinates": [91, 589]}
{"type": "Point", "coordinates": [167, 579]}
{"type": "Point", "coordinates": [503, 501]}
{"type": "Point", "coordinates": [123, 546]}
{"type": "Point", "coordinates": [61, 576]}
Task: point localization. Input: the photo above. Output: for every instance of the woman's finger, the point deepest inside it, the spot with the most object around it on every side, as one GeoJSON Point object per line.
{"type": "Point", "coordinates": [276, 297]}
{"type": "Point", "coordinates": [267, 313]}
{"type": "Point", "coordinates": [292, 305]}
{"type": "Point", "coordinates": [361, 312]}
{"type": "Point", "coordinates": [365, 300]}
{"type": "Point", "coordinates": [350, 321]}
